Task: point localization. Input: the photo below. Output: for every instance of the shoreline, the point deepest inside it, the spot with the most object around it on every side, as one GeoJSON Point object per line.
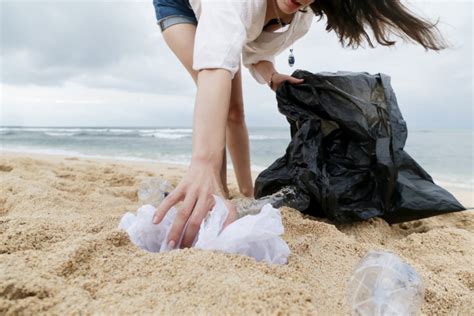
{"type": "Point", "coordinates": [64, 153]}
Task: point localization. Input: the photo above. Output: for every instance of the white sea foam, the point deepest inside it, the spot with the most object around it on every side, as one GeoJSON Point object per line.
{"type": "Point", "coordinates": [265, 137]}
{"type": "Point", "coordinates": [162, 133]}
{"type": "Point", "coordinates": [54, 134]}
{"type": "Point", "coordinates": [171, 130]}
{"type": "Point", "coordinates": [39, 129]}
{"type": "Point", "coordinates": [167, 133]}
{"type": "Point", "coordinates": [169, 136]}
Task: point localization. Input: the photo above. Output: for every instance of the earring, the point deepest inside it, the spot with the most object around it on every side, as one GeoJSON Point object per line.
{"type": "Point", "coordinates": [291, 58]}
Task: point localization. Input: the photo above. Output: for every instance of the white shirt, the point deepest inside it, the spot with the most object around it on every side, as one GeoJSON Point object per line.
{"type": "Point", "coordinates": [229, 29]}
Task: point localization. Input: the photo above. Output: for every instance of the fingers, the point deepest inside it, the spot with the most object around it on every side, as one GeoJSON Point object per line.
{"type": "Point", "coordinates": [203, 206]}
{"type": "Point", "coordinates": [182, 217]}
{"type": "Point", "coordinates": [174, 197]}
{"type": "Point", "coordinates": [190, 216]}
{"type": "Point", "coordinates": [294, 80]}
{"type": "Point", "coordinates": [290, 79]}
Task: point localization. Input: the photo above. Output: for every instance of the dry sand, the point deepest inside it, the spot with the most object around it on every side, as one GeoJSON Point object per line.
{"type": "Point", "coordinates": [60, 251]}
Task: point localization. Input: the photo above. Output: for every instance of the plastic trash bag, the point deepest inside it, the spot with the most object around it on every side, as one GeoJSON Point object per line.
{"type": "Point", "coordinates": [346, 155]}
{"type": "Point", "coordinates": [257, 236]}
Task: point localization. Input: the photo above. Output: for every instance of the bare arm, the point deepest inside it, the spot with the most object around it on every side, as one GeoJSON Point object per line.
{"type": "Point", "coordinates": [202, 178]}
{"type": "Point", "coordinates": [210, 115]}
{"type": "Point", "coordinates": [266, 69]}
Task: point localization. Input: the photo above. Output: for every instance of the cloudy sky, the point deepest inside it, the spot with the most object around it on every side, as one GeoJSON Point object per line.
{"type": "Point", "coordinates": [105, 63]}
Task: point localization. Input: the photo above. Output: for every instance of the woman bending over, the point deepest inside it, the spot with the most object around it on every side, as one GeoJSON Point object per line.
{"type": "Point", "coordinates": [209, 37]}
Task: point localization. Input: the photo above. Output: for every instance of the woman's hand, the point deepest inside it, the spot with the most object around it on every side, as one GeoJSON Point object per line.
{"type": "Point", "coordinates": [195, 190]}
{"type": "Point", "coordinates": [202, 179]}
{"type": "Point", "coordinates": [278, 79]}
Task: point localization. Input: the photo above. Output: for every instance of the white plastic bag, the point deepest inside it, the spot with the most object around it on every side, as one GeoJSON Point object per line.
{"type": "Point", "coordinates": [256, 236]}
{"type": "Point", "coordinates": [141, 230]}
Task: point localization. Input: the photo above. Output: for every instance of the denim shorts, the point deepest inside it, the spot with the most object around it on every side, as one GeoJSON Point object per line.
{"type": "Point", "coordinates": [170, 12]}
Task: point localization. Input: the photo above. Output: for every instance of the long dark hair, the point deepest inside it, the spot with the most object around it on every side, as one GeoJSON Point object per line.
{"type": "Point", "coordinates": [349, 18]}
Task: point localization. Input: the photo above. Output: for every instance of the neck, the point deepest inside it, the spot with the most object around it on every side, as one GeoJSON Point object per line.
{"type": "Point", "coordinates": [272, 6]}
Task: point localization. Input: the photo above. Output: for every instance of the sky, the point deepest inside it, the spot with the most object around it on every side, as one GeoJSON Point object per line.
{"type": "Point", "coordinates": [105, 63]}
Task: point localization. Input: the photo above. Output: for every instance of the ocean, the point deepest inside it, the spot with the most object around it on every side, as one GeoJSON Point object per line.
{"type": "Point", "coordinates": [447, 155]}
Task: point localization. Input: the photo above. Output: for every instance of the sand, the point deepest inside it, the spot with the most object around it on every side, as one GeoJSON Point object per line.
{"type": "Point", "coordinates": [60, 251]}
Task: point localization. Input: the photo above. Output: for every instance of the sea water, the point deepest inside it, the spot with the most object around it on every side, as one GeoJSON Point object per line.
{"type": "Point", "coordinates": [447, 155]}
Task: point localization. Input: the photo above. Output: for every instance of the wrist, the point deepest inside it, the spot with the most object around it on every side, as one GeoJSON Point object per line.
{"type": "Point", "coordinates": [207, 160]}
{"type": "Point", "coordinates": [265, 69]}
{"type": "Point", "coordinates": [270, 80]}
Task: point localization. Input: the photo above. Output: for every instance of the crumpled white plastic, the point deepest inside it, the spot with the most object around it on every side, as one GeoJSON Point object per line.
{"type": "Point", "coordinates": [257, 236]}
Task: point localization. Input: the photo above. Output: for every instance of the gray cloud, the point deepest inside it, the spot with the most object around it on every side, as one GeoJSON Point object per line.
{"type": "Point", "coordinates": [111, 48]}
{"type": "Point", "coordinates": [96, 43]}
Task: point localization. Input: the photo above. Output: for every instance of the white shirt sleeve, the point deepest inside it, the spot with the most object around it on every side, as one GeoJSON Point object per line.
{"type": "Point", "coordinates": [221, 34]}
{"type": "Point", "coordinates": [251, 57]}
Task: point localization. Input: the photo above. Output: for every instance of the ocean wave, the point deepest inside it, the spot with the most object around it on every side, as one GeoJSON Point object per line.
{"type": "Point", "coordinates": [59, 134]}
{"type": "Point", "coordinates": [108, 133]}
{"type": "Point", "coordinates": [39, 129]}
{"type": "Point", "coordinates": [165, 133]}
{"type": "Point", "coordinates": [168, 130]}
{"type": "Point", "coordinates": [169, 136]}
{"type": "Point", "coordinates": [162, 133]}
{"type": "Point", "coordinates": [265, 137]}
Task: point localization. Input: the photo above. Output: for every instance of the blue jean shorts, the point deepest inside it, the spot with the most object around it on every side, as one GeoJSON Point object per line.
{"type": "Point", "coordinates": [170, 12]}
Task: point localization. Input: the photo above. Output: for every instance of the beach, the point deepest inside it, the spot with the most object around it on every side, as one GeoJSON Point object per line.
{"type": "Point", "coordinates": [61, 251]}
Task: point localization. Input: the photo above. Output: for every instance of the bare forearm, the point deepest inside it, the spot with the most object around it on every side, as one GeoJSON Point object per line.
{"type": "Point", "coordinates": [210, 116]}
{"type": "Point", "coordinates": [268, 71]}
{"type": "Point", "coordinates": [265, 69]}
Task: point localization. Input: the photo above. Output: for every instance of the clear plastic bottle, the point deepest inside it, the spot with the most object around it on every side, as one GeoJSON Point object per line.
{"type": "Point", "coordinates": [287, 196]}
{"type": "Point", "coordinates": [153, 191]}
{"type": "Point", "coordinates": [383, 284]}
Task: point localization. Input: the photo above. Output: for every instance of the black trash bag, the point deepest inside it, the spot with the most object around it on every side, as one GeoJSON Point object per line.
{"type": "Point", "coordinates": [346, 155]}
